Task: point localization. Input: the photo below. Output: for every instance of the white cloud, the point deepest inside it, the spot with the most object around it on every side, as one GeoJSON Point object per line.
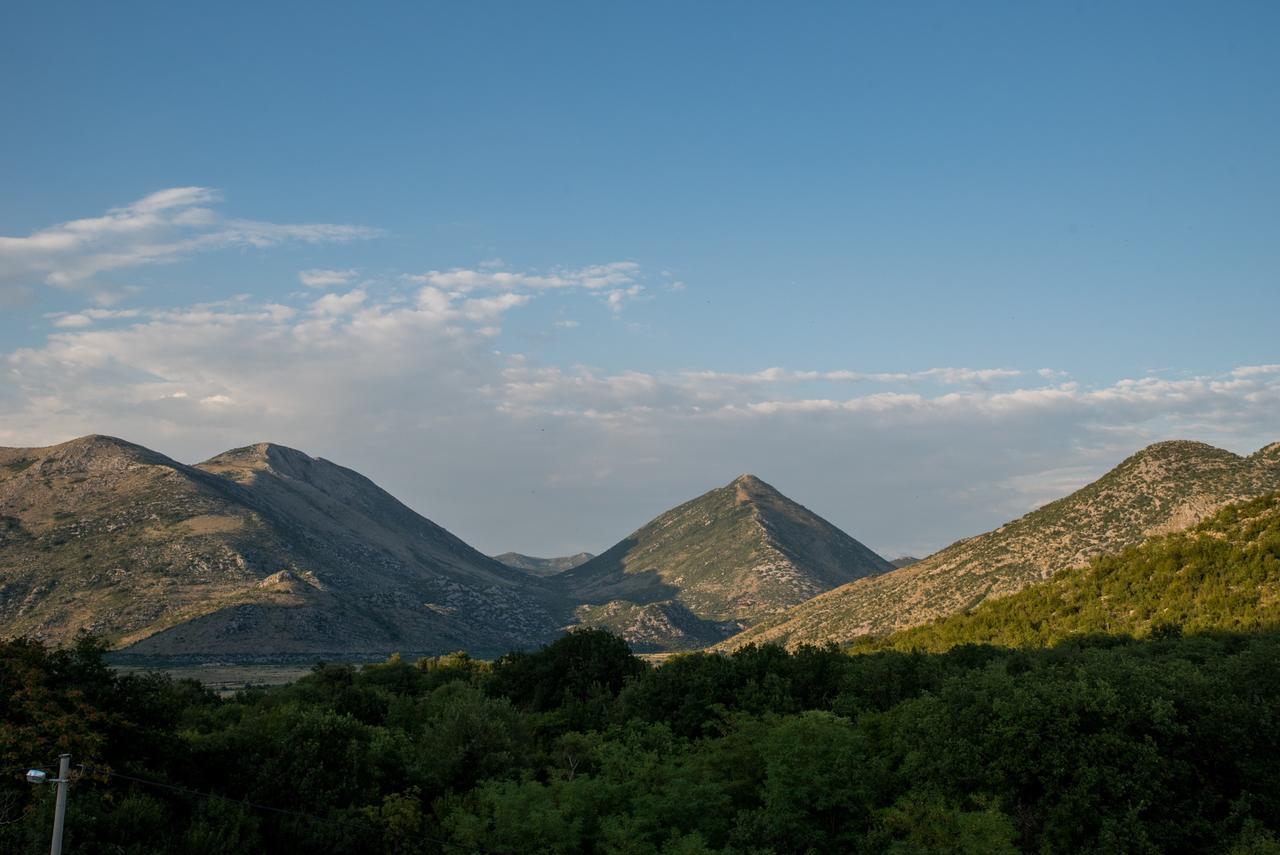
{"type": "Point", "coordinates": [326, 278]}
{"type": "Point", "coordinates": [339, 304]}
{"type": "Point", "coordinates": [945, 376]}
{"type": "Point", "coordinates": [86, 318]}
{"type": "Point", "coordinates": [1255, 370]}
{"type": "Point", "coordinates": [616, 282]}
{"type": "Point", "coordinates": [162, 227]}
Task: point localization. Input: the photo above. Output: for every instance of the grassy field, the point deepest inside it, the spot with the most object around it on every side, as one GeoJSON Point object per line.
{"type": "Point", "coordinates": [226, 679]}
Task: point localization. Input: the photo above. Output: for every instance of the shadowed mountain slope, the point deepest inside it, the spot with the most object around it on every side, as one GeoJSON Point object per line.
{"type": "Point", "coordinates": [727, 559]}
{"type": "Point", "coordinates": [1165, 487]}
{"type": "Point", "coordinates": [260, 552]}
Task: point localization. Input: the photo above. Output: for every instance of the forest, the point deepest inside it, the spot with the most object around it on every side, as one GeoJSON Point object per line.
{"type": "Point", "coordinates": [1097, 744]}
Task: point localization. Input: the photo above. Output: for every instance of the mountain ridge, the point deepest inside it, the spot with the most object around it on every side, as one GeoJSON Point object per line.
{"type": "Point", "coordinates": [258, 548]}
{"type": "Point", "coordinates": [1220, 575]}
{"type": "Point", "coordinates": [1167, 486]}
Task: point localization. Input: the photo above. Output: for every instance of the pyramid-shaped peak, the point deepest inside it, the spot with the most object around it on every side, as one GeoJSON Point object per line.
{"type": "Point", "coordinates": [748, 488]}
{"type": "Point", "coordinates": [747, 481]}
{"type": "Point", "coordinates": [734, 554]}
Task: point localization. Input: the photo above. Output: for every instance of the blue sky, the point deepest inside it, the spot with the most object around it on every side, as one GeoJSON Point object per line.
{"type": "Point", "coordinates": [1085, 194]}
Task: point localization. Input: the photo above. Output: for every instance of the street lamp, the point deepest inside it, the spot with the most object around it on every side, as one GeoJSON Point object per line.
{"type": "Point", "coordinates": [40, 776]}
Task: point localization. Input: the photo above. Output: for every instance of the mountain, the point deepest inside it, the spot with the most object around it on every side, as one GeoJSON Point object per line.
{"type": "Point", "coordinates": [1223, 574]}
{"type": "Point", "coordinates": [259, 552]}
{"type": "Point", "coordinates": [903, 561]}
{"type": "Point", "coordinates": [1166, 487]}
{"type": "Point", "coordinates": [543, 566]}
{"type": "Point", "coordinates": [713, 565]}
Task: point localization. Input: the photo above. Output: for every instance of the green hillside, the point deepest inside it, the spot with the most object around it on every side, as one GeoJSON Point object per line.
{"type": "Point", "coordinates": [1224, 574]}
{"type": "Point", "coordinates": [1166, 487]}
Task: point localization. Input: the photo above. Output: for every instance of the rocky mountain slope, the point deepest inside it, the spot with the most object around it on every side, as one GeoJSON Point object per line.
{"type": "Point", "coordinates": [261, 552]}
{"type": "Point", "coordinates": [1166, 487]}
{"type": "Point", "coordinates": [543, 566]}
{"type": "Point", "coordinates": [711, 566]}
{"type": "Point", "coordinates": [1223, 574]}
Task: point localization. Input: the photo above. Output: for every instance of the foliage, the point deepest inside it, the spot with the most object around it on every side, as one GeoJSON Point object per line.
{"type": "Point", "coordinates": [1104, 744]}
{"type": "Point", "coordinates": [1070, 737]}
{"type": "Point", "coordinates": [1222, 575]}
{"type": "Point", "coordinates": [1157, 489]}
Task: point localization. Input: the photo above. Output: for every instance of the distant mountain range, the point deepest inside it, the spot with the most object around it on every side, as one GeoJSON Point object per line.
{"type": "Point", "coordinates": [1165, 487]}
{"type": "Point", "coordinates": [543, 566]}
{"type": "Point", "coordinates": [264, 553]}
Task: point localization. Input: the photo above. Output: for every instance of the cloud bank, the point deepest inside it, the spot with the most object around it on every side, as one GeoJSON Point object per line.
{"type": "Point", "coordinates": [407, 384]}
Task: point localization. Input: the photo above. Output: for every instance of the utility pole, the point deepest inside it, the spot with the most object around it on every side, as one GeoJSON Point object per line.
{"type": "Point", "coordinates": [40, 776]}
{"type": "Point", "coordinates": [60, 808]}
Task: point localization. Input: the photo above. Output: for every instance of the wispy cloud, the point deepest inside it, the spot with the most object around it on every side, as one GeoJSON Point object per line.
{"type": "Point", "coordinates": [87, 318]}
{"type": "Point", "coordinates": [163, 227]}
{"type": "Point", "coordinates": [775, 375]}
{"type": "Point", "coordinates": [616, 283]}
{"type": "Point", "coordinates": [327, 278]}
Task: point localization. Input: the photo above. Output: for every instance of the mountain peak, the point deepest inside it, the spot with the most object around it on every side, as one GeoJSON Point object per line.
{"type": "Point", "coordinates": [730, 556]}
{"type": "Point", "coordinates": [1168, 446]}
{"type": "Point", "coordinates": [749, 488]}
{"type": "Point", "coordinates": [1268, 452]}
{"type": "Point", "coordinates": [260, 455]}
{"type": "Point", "coordinates": [246, 462]}
{"type": "Point", "coordinates": [1179, 448]}
{"type": "Point", "coordinates": [98, 443]}
{"type": "Point", "coordinates": [91, 453]}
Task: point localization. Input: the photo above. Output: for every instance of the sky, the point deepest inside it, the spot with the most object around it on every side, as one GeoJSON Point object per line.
{"type": "Point", "coordinates": [546, 270]}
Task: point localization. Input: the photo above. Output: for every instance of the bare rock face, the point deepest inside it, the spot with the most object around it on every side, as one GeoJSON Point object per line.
{"type": "Point", "coordinates": [722, 561]}
{"type": "Point", "coordinates": [259, 553]}
{"type": "Point", "coordinates": [1165, 487]}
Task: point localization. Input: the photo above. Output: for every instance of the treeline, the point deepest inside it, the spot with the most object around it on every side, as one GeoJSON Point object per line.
{"type": "Point", "coordinates": [1103, 744]}
{"type": "Point", "coordinates": [1223, 574]}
